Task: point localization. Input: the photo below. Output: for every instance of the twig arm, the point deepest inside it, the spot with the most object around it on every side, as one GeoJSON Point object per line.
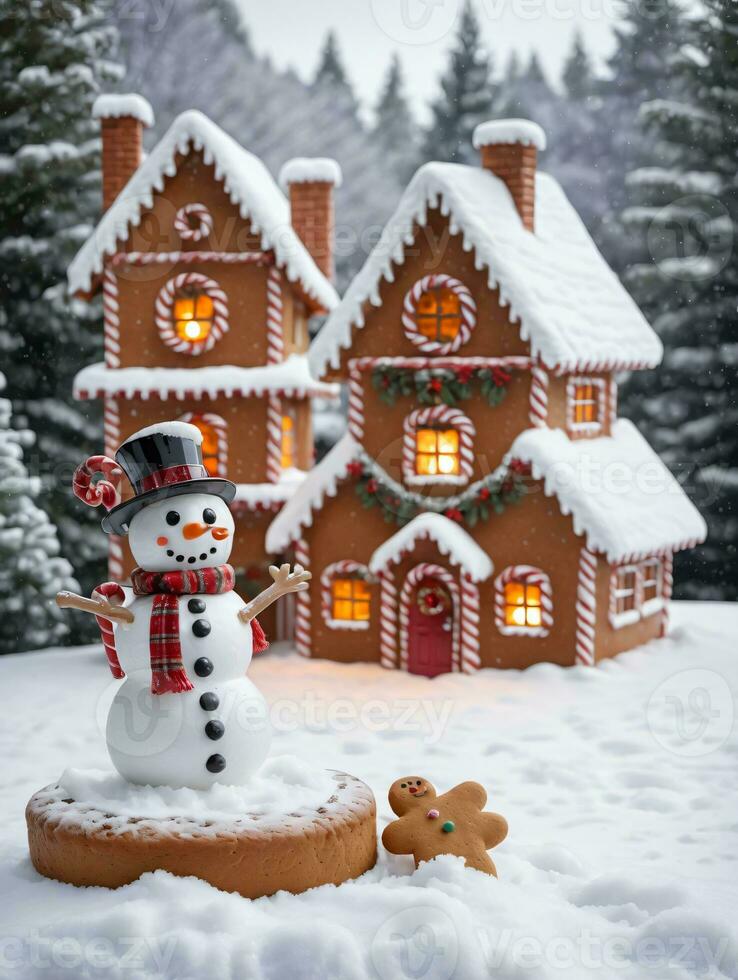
{"type": "Point", "coordinates": [284, 582]}
{"type": "Point", "coordinates": [98, 607]}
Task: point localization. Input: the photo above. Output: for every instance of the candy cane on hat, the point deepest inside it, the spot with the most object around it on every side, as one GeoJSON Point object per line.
{"type": "Point", "coordinates": [104, 491]}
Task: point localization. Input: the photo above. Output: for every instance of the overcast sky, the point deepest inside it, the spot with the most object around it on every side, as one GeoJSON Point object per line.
{"type": "Point", "coordinates": [291, 32]}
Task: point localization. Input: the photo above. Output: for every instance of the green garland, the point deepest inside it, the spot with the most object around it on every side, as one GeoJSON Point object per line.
{"type": "Point", "coordinates": [440, 386]}
{"type": "Point", "coordinates": [491, 496]}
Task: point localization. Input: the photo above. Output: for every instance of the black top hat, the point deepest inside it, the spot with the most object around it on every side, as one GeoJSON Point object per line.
{"type": "Point", "coordinates": [162, 462]}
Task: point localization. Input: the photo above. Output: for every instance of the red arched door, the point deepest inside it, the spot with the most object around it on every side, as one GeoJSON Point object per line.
{"type": "Point", "coordinates": [430, 629]}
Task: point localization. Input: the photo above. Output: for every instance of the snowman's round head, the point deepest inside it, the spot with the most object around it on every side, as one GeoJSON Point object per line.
{"type": "Point", "coordinates": [192, 530]}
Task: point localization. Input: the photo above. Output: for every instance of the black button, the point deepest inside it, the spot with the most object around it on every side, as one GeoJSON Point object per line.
{"type": "Point", "coordinates": [196, 605]}
{"type": "Point", "coordinates": [209, 701]}
{"type": "Point", "coordinates": [216, 763]}
{"type": "Point", "coordinates": [215, 729]}
{"type": "Point", "coordinates": [201, 627]}
{"type": "Point", "coordinates": [203, 667]}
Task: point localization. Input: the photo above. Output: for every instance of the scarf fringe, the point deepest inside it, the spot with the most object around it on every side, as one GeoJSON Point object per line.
{"type": "Point", "coordinates": [258, 636]}
{"type": "Point", "coordinates": [170, 681]}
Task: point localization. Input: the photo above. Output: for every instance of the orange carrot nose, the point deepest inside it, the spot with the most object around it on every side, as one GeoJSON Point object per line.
{"type": "Point", "coordinates": [190, 531]}
{"type": "Point", "coordinates": [219, 533]}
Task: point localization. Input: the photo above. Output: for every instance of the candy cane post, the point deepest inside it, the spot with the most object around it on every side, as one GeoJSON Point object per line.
{"type": "Point", "coordinates": [538, 409]}
{"type": "Point", "coordinates": [388, 619]}
{"type": "Point", "coordinates": [586, 608]}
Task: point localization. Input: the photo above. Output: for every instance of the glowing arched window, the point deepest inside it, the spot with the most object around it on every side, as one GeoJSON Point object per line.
{"type": "Point", "coordinates": [288, 442]}
{"type": "Point", "coordinates": [523, 601]}
{"type": "Point", "coordinates": [350, 600]}
{"type": "Point", "coordinates": [214, 448]}
{"type": "Point", "coordinates": [438, 314]}
{"type": "Point", "coordinates": [437, 452]}
{"type": "Point", "coordinates": [193, 315]}
{"type": "Point", "coordinates": [522, 604]}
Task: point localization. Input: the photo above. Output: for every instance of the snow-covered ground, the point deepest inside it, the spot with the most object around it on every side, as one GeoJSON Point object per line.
{"type": "Point", "coordinates": [619, 784]}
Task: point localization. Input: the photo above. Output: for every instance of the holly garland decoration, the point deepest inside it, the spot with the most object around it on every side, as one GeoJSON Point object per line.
{"type": "Point", "coordinates": [440, 386]}
{"type": "Point", "coordinates": [490, 496]}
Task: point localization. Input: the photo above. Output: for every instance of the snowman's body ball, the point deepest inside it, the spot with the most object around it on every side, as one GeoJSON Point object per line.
{"type": "Point", "coordinates": [219, 731]}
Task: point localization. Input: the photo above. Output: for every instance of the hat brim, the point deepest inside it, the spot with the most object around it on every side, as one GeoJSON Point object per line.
{"type": "Point", "coordinates": [119, 518]}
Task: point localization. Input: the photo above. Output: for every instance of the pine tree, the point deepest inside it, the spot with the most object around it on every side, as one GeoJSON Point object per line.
{"type": "Point", "coordinates": [648, 40]}
{"type": "Point", "coordinates": [577, 74]}
{"type": "Point", "coordinates": [684, 215]}
{"type": "Point", "coordinates": [395, 129]}
{"type": "Point", "coordinates": [331, 73]}
{"type": "Point", "coordinates": [31, 571]}
{"type": "Point", "coordinates": [54, 59]}
{"type": "Point", "coordinates": [466, 96]}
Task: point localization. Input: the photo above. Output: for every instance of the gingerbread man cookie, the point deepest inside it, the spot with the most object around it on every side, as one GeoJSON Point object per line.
{"type": "Point", "coordinates": [454, 823]}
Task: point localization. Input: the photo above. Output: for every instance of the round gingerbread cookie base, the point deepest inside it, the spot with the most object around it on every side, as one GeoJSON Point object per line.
{"type": "Point", "coordinates": [82, 845]}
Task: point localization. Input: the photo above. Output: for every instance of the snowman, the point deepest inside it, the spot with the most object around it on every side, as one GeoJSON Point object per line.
{"type": "Point", "coordinates": [185, 715]}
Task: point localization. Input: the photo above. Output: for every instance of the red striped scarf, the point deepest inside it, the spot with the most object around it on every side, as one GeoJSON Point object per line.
{"type": "Point", "coordinates": [168, 674]}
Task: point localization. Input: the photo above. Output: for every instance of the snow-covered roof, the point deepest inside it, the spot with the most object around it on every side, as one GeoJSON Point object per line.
{"type": "Point", "coordinates": [247, 182]}
{"type": "Point", "coordinates": [320, 482]}
{"type": "Point", "coordinates": [253, 495]}
{"type": "Point", "coordinates": [308, 170]}
{"type": "Point", "coordinates": [619, 493]}
{"type": "Point", "coordinates": [450, 539]}
{"type": "Point", "coordinates": [291, 377]}
{"type": "Point", "coordinates": [117, 106]}
{"type": "Point", "coordinates": [509, 131]}
{"type": "Point", "coordinates": [571, 305]}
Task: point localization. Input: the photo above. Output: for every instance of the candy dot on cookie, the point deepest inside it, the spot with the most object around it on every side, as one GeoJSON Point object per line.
{"type": "Point", "coordinates": [448, 826]}
{"type": "Point", "coordinates": [433, 814]}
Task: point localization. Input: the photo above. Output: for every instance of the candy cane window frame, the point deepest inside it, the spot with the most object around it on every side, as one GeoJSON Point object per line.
{"type": "Point", "coordinates": [164, 316]}
{"type": "Point", "coordinates": [345, 569]}
{"type": "Point", "coordinates": [524, 575]}
{"type": "Point", "coordinates": [467, 313]}
{"type": "Point", "coordinates": [437, 417]}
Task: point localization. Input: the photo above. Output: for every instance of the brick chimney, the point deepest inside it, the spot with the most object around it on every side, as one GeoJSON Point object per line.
{"type": "Point", "coordinates": [509, 148]}
{"type": "Point", "coordinates": [310, 184]}
{"type": "Point", "coordinates": [122, 121]}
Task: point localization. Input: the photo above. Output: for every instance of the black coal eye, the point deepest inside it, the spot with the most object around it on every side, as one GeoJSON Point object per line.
{"type": "Point", "coordinates": [208, 516]}
{"type": "Point", "coordinates": [420, 782]}
{"type": "Point", "coordinates": [403, 785]}
{"type": "Point", "coordinates": [172, 517]}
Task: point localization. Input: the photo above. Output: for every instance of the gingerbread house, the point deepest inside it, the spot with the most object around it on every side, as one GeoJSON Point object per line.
{"type": "Point", "coordinates": [209, 276]}
{"type": "Point", "coordinates": [487, 507]}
